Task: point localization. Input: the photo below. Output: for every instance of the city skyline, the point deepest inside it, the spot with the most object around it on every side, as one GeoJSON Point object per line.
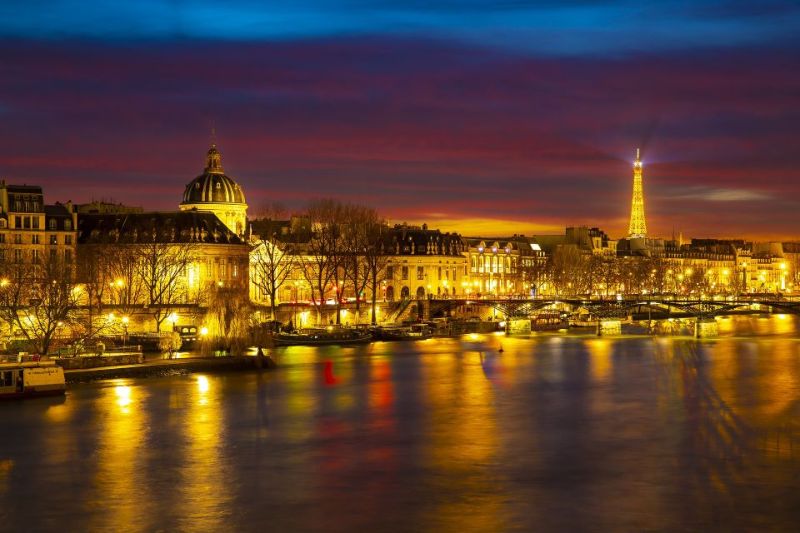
{"type": "Point", "coordinates": [480, 133]}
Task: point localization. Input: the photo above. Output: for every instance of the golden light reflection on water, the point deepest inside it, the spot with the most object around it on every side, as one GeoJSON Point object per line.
{"type": "Point", "coordinates": [600, 353]}
{"type": "Point", "coordinates": [461, 437]}
{"type": "Point", "coordinates": [118, 481]}
{"type": "Point", "coordinates": [204, 484]}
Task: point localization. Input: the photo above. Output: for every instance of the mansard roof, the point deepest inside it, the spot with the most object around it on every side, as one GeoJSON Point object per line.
{"type": "Point", "coordinates": [163, 227]}
{"type": "Point", "coordinates": [414, 240]}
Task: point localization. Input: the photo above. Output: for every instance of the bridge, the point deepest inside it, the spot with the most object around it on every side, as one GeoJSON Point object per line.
{"type": "Point", "coordinates": [620, 307]}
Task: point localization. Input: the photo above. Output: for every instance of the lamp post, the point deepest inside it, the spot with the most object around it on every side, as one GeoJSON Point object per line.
{"type": "Point", "coordinates": [125, 321]}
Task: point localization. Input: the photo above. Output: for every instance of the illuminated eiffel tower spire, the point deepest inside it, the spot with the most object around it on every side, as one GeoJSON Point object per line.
{"type": "Point", "coordinates": [638, 227]}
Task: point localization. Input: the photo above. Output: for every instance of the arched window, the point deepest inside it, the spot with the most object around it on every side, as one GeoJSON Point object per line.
{"type": "Point", "coordinates": [390, 293]}
{"type": "Point", "coordinates": [421, 292]}
{"type": "Point", "coordinates": [404, 292]}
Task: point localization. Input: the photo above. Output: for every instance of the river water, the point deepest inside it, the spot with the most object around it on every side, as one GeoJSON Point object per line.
{"type": "Point", "coordinates": [556, 433]}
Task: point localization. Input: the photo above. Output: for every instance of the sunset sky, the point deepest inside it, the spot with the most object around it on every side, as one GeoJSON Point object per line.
{"type": "Point", "coordinates": [484, 117]}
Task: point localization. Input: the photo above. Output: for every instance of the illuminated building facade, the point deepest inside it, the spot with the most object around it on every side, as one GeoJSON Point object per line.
{"type": "Point", "coordinates": [32, 232]}
{"type": "Point", "coordinates": [500, 267]}
{"type": "Point", "coordinates": [423, 263]}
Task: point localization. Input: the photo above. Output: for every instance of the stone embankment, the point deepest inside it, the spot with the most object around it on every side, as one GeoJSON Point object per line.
{"type": "Point", "coordinates": [163, 367]}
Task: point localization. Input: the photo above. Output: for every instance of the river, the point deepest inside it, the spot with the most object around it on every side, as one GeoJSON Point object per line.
{"type": "Point", "coordinates": [554, 433]}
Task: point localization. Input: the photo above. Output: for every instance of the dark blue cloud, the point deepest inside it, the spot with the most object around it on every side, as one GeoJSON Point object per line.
{"type": "Point", "coordinates": [553, 28]}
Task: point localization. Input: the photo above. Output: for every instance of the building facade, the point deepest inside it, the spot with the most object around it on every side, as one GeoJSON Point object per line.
{"type": "Point", "coordinates": [31, 231]}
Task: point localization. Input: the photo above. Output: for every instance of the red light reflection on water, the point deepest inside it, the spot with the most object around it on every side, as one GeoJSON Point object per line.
{"type": "Point", "coordinates": [330, 378]}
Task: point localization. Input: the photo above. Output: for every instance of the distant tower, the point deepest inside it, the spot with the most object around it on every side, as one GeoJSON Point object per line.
{"type": "Point", "coordinates": [638, 227]}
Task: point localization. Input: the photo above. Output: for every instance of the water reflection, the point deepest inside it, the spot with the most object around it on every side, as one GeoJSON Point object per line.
{"type": "Point", "coordinates": [203, 485]}
{"type": "Point", "coordinates": [119, 478]}
{"type": "Point", "coordinates": [554, 434]}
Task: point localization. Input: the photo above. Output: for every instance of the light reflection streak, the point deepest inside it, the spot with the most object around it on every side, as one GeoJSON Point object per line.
{"type": "Point", "coordinates": [204, 484]}
{"type": "Point", "coordinates": [122, 432]}
{"type": "Point", "coordinates": [463, 437]}
{"type": "Point", "coordinates": [600, 353]}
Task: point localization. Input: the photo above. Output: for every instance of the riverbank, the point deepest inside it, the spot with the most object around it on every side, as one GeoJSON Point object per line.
{"type": "Point", "coordinates": [161, 367]}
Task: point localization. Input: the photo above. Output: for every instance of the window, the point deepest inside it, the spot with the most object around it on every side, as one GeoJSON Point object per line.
{"type": "Point", "coordinates": [34, 255]}
{"type": "Point", "coordinates": [420, 273]}
{"type": "Point", "coordinates": [67, 225]}
{"type": "Point", "coordinates": [68, 256]}
{"type": "Point", "coordinates": [35, 222]}
{"type": "Point", "coordinates": [18, 256]}
{"type": "Point", "coordinates": [67, 239]}
{"type": "Point", "coordinates": [53, 239]}
{"type": "Point", "coordinates": [17, 239]}
{"type": "Point", "coordinates": [390, 272]}
{"type": "Point", "coordinates": [34, 239]}
{"type": "Point", "coordinates": [234, 270]}
{"type": "Point", "coordinates": [52, 223]}
{"type": "Point", "coordinates": [17, 222]}
{"type": "Point", "coordinates": [2, 238]}
{"type": "Point", "coordinates": [222, 268]}
{"type": "Point", "coordinates": [52, 254]}
{"type": "Point", "coordinates": [26, 222]}
{"type": "Point", "coordinates": [404, 273]}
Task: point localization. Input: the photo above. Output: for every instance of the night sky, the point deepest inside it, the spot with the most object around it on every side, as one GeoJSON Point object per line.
{"type": "Point", "coordinates": [486, 117]}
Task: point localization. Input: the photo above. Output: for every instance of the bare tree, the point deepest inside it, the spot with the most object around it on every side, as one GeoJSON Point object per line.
{"type": "Point", "coordinates": [36, 299]}
{"type": "Point", "coordinates": [320, 261]}
{"type": "Point", "coordinates": [375, 261]}
{"type": "Point", "coordinates": [360, 250]}
{"type": "Point", "coordinates": [533, 270]}
{"type": "Point", "coordinates": [160, 267]}
{"type": "Point", "coordinates": [272, 262]}
{"type": "Point", "coordinates": [568, 271]}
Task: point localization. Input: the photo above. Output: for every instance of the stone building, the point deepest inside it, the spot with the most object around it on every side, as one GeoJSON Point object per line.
{"type": "Point", "coordinates": [423, 263]}
{"type": "Point", "coordinates": [31, 231]}
{"type": "Point", "coordinates": [500, 266]}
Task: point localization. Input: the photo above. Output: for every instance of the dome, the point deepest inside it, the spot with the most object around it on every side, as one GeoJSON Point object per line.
{"type": "Point", "coordinates": [213, 186]}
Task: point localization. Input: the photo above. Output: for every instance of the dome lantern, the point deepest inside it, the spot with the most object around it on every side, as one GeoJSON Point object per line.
{"type": "Point", "coordinates": [214, 161]}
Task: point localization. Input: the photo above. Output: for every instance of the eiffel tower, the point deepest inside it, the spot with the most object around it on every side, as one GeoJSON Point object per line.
{"type": "Point", "coordinates": [638, 227]}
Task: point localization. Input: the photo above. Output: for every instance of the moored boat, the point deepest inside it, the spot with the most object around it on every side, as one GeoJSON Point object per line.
{"type": "Point", "coordinates": [323, 336]}
{"type": "Point", "coordinates": [30, 379]}
{"type": "Point", "coordinates": [403, 333]}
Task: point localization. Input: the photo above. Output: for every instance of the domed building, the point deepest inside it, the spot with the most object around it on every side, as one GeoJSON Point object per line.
{"type": "Point", "coordinates": [214, 192]}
